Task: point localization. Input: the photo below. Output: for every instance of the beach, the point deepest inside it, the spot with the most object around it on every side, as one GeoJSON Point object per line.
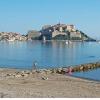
{"type": "Point", "coordinates": [15, 83]}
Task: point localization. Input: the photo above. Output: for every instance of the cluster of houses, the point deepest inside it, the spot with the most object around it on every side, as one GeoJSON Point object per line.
{"type": "Point", "coordinates": [11, 36]}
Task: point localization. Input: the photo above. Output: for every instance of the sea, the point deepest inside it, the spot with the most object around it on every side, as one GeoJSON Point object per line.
{"type": "Point", "coordinates": [50, 54]}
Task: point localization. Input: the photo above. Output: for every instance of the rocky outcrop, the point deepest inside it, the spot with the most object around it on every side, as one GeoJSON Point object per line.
{"type": "Point", "coordinates": [63, 32]}
{"type": "Point", "coordinates": [86, 67]}
{"type": "Point", "coordinates": [78, 68]}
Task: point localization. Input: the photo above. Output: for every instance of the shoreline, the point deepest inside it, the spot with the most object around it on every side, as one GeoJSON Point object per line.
{"type": "Point", "coordinates": [16, 83]}
{"type": "Point", "coordinates": [50, 40]}
{"type": "Point", "coordinates": [61, 70]}
{"type": "Point", "coordinates": [29, 71]}
{"type": "Point", "coordinates": [37, 72]}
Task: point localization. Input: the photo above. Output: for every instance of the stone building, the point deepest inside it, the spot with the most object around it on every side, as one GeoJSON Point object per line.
{"type": "Point", "coordinates": [33, 34]}
{"type": "Point", "coordinates": [59, 29]}
{"type": "Point", "coordinates": [75, 34]}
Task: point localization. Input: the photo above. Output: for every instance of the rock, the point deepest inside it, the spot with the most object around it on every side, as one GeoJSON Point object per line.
{"type": "Point", "coordinates": [42, 72]}
{"type": "Point", "coordinates": [64, 69]}
{"type": "Point", "coordinates": [53, 70]}
{"type": "Point", "coordinates": [92, 67]}
{"type": "Point", "coordinates": [45, 71]}
{"type": "Point", "coordinates": [34, 71]}
{"type": "Point", "coordinates": [76, 69]}
{"type": "Point", "coordinates": [84, 67]}
{"type": "Point", "coordinates": [8, 74]}
{"type": "Point", "coordinates": [38, 71]}
{"type": "Point", "coordinates": [59, 71]}
{"type": "Point", "coordinates": [81, 68]}
{"type": "Point", "coordinates": [48, 71]}
{"type": "Point", "coordinates": [44, 78]}
{"type": "Point", "coordinates": [17, 72]}
{"type": "Point", "coordinates": [23, 72]}
{"type": "Point", "coordinates": [26, 75]}
{"type": "Point", "coordinates": [27, 72]}
{"type": "Point", "coordinates": [14, 75]}
{"type": "Point", "coordinates": [89, 67]}
{"type": "Point", "coordinates": [30, 73]}
{"type": "Point", "coordinates": [18, 76]}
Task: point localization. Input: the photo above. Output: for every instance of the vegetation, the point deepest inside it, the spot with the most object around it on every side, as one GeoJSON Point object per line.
{"type": "Point", "coordinates": [76, 38]}
{"type": "Point", "coordinates": [85, 36]}
{"type": "Point", "coordinates": [61, 37]}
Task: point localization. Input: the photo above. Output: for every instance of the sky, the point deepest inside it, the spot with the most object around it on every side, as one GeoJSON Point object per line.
{"type": "Point", "coordinates": [23, 15]}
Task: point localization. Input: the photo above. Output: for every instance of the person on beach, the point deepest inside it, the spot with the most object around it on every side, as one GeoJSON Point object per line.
{"type": "Point", "coordinates": [69, 70]}
{"type": "Point", "coordinates": [34, 67]}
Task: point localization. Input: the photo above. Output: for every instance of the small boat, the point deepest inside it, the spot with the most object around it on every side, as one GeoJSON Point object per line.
{"type": "Point", "coordinates": [44, 38]}
{"type": "Point", "coordinates": [68, 42]}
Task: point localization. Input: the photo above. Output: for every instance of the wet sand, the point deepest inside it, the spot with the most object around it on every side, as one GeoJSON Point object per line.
{"type": "Point", "coordinates": [45, 85]}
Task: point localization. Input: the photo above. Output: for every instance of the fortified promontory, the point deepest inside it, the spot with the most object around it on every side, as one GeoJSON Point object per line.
{"type": "Point", "coordinates": [59, 32]}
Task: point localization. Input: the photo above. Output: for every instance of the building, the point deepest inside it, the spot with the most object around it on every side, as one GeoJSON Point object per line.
{"type": "Point", "coordinates": [59, 29]}
{"type": "Point", "coordinates": [11, 36]}
{"type": "Point", "coordinates": [75, 35]}
{"type": "Point", "coordinates": [33, 34]}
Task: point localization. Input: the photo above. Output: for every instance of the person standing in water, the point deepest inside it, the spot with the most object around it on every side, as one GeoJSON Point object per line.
{"type": "Point", "coordinates": [34, 67]}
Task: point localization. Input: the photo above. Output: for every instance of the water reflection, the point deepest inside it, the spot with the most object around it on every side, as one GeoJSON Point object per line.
{"type": "Point", "coordinates": [48, 54]}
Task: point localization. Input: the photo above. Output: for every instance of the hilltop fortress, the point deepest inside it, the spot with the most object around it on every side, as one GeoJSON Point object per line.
{"type": "Point", "coordinates": [58, 32]}
{"type": "Point", "coordinates": [67, 31]}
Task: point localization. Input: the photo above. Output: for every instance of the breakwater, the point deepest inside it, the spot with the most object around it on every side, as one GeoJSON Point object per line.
{"type": "Point", "coordinates": [71, 69]}
{"type": "Point", "coordinates": [78, 68]}
{"type": "Point", "coordinates": [86, 67]}
{"type": "Point", "coordinates": [62, 70]}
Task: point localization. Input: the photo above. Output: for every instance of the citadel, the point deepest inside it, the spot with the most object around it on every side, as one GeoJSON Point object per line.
{"type": "Point", "coordinates": [58, 32]}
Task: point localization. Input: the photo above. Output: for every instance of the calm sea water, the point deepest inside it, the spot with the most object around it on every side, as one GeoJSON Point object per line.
{"type": "Point", "coordinates": [48, 55]}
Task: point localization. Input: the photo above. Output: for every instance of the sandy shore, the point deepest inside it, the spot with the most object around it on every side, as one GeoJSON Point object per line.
{"type": "Point", "coordinates": [43, 85]}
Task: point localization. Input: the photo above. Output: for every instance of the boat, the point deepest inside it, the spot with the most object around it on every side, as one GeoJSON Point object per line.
{"type": "Point", "coordinates": [44, 38]}
{"type": "Point", "coordinates": [68, 42]}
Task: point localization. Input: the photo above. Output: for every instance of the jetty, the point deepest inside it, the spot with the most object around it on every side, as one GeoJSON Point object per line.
{"type": "Point", "coordinates": [71, 69]}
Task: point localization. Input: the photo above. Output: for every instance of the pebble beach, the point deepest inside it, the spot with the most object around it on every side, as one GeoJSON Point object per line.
{"type": "Point", "coordinates": [16, 83]}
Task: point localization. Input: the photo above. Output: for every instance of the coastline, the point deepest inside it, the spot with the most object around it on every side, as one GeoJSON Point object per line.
{"type": "Point", "coordinates": [16, 83]}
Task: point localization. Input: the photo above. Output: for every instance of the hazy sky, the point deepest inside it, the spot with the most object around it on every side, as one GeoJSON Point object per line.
{"type": "Point", "coordinates": [23, 15]}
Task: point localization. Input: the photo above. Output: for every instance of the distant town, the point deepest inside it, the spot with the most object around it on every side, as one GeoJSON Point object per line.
{"type": "Point", "coordinates": [48, 32]}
